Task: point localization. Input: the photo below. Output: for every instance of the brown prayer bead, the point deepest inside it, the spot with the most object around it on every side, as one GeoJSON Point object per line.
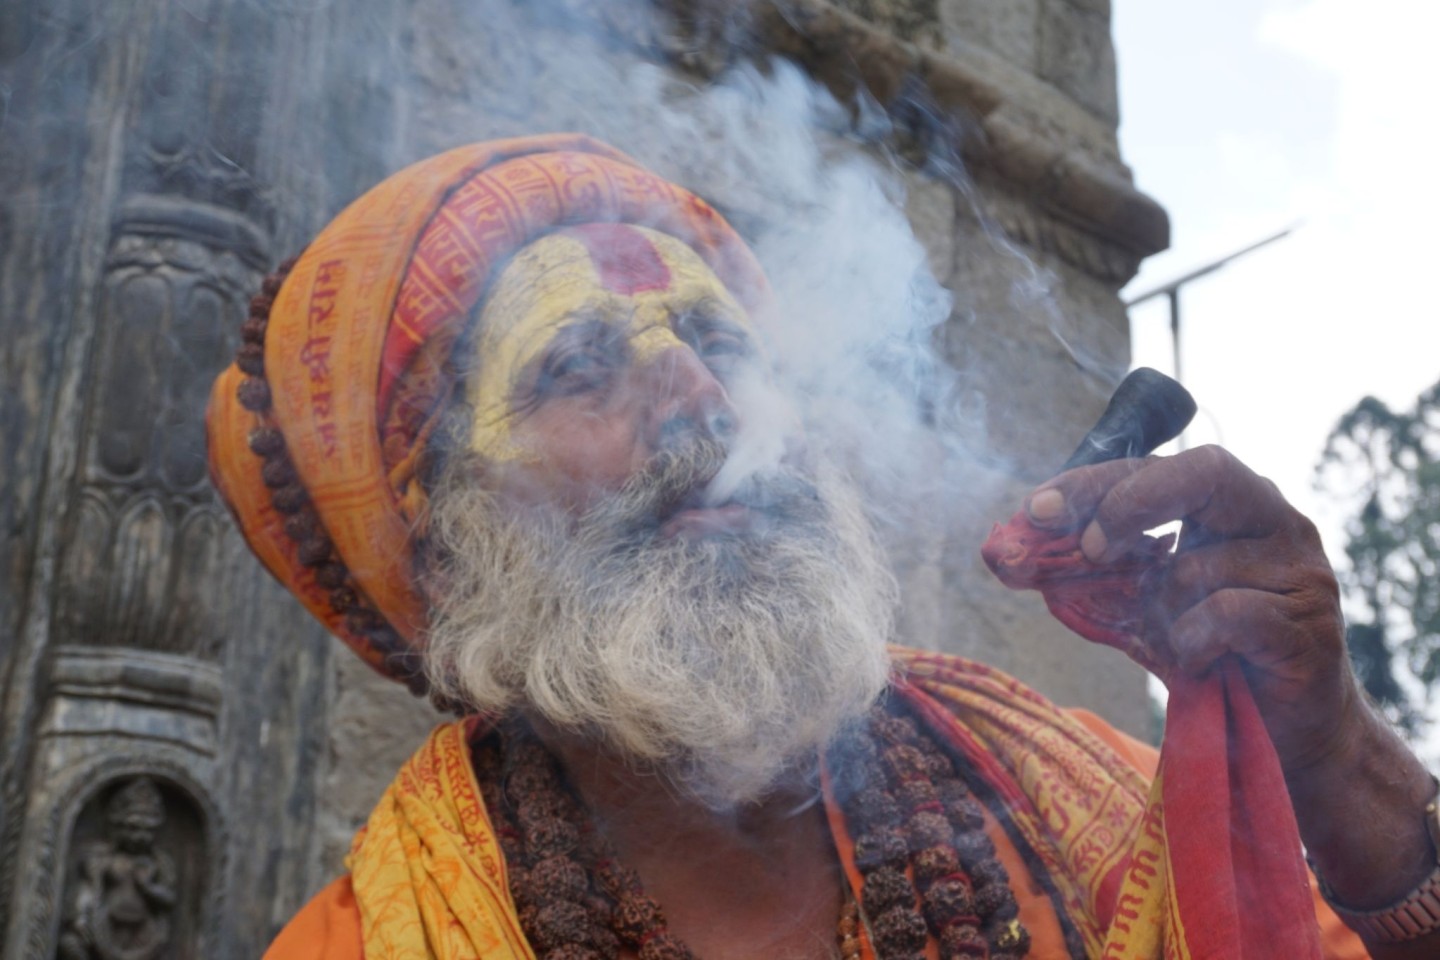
{"type": "Point", "coordinates": [965, 813]}
{"type": "Point", "coordinates": [962, 940]}
{"type": "Point", "coordinates": [253, 394]}
{"type": "Point", "coordinates": [879, 847]}
{"type": "Point", "coordinates": [636, 915]}
{"type": "Point", "coordinates": [905, 762]}
{"type": "Point", "coordinates": [662, 946]}
{"type": "Point", "coordinates": [302, 525]}
{"type": "Point", "coordinates": [266, 441]}
{"type": "Point", "coordinates": [520, 887]}
{"type": "Point", "coordinates": [875, 808]}
{"type": "Point", "coordinates": [278, 471]}
{"type": "Point", "coordinates": [1009, 934]}
{"type": "Point", "coordinates": [935, 862]}
{"type": "Point", "coordinates": [261, 304]}
{"type": "Point", "coordinates": [915, 793]}
{"type": "Point", "coordinates": [988, 871]}
{"type": "Point", "coordinates": [603, 942]}
{"type": "Point", "coordinates": [551, 836]}
{"type": "Point", "coordinates": [342, 599]}
{"type": "Point", "coordinates": [991, 897]}
{"type": "Point", "coordinates": [558, 878]}
{"type": "Point", "coordinates": [331, 575]}
{"type": "Point", "coordinates": [895, 729]}
{"type": "Point", "coordinates": [600, 908]}
{"type": "Point", "coordinates": [540, 805]}
{"type": "Point", "coordinates": [525, 782]}
{"type": "Point", "coordinates": [937, 763]}
{"type": "Point", "coordinates": [974, 846]}
{"type": "Point", "coordinates": [951, 788]}
{"type": "Point", "coordinates": [559, 923]}
{"type": "Point", "coordinates": [947, 901]}
{"type": "Point", "coordinates": [250, 358]}
{"type": "Point", "coordinates": [314, 551]}
{"type": "Point", "coordinates": [253, 330]}
{"type": "Point", "coordinates": [617, 879]}
{"type": "Point", "coordinates": [884, 888]}
{"type": "Point", "coordinates": [926, 829]}
{"type": "Point", "coordinates": [899, 929]}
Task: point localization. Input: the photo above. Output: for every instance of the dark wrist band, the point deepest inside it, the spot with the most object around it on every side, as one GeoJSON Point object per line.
{"type": "Point", "coordinates": [1414, 916]}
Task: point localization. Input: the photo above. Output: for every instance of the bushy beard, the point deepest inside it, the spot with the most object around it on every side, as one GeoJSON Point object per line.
{"type": "Point", "coordinates": [719, 662]}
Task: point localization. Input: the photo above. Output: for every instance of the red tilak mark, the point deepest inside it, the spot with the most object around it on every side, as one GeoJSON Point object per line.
{"type": "Point", "coordinates": [625, 259]}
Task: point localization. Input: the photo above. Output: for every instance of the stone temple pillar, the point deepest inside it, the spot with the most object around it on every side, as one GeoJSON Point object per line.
{"type": "Point", "coordinates": [163, 702]}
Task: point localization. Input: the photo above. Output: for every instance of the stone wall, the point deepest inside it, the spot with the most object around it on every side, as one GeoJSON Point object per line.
{"type": "Point", "coordinates": [156, 159]}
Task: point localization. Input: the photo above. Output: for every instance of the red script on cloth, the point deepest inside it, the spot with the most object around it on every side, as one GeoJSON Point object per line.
{"type": "Point", "coordinates": [1230, 832]}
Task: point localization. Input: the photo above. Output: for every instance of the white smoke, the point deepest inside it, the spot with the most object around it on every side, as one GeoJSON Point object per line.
{"type": "Point", "coordinates": [857, 306]}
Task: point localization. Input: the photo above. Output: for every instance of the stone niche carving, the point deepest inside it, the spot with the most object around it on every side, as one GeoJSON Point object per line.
{"type": "Point", "coordinates": [146, 538]}
{"type": "Point", "coordinates": [133, 877]}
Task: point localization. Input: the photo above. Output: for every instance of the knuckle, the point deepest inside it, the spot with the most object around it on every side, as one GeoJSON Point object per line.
{"type": "Point", "coordinates": [1214, 457]}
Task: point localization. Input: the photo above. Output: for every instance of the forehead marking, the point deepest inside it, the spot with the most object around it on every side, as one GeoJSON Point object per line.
{"type": "Point", "coordinates": [624, 258]}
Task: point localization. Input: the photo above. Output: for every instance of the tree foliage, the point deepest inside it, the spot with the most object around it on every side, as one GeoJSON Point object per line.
{"type": "Point", "coordinates": [1386, 465]}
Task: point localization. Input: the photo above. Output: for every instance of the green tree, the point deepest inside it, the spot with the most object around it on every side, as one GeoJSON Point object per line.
{"type": "Point", "coordinates": [1386, 465]}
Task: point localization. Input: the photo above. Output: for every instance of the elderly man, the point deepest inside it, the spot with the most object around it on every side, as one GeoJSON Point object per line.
{"type": "Point", "coordinates": [500, 428]}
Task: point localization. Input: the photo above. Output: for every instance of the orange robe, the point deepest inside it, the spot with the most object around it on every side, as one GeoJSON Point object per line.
{"type": "Point", "coordinates": [426, 874]}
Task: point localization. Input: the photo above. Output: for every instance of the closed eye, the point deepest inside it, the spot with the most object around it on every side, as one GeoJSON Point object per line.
{"type": "Point", "coordinates": [721, 344]}
{"type": "Point", "coordinates": [582, 358]}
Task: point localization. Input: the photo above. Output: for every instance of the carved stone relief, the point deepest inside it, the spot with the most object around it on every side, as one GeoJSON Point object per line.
{"type": "Point", "coordinates": [123, 886]}
{"type": "Point", "coordinates": [144, 542]}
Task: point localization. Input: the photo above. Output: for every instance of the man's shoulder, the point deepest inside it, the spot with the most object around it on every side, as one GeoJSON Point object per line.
{"type": "Point", "coordinates": [326, 928]}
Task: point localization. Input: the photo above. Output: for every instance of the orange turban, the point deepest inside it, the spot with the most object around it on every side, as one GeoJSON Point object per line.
{"type": "Point", "coordinates": [316, 430]}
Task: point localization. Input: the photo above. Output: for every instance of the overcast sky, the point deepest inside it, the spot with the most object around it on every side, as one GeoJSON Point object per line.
{"type": "Point", "coordinates": [1243, 117]}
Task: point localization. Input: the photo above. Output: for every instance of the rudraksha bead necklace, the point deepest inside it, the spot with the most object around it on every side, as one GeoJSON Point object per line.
{"type": "Point", "coordinates": [928, 868]}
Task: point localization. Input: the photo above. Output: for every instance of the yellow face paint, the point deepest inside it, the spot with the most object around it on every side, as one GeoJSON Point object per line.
{"type": "Point", "coordinates": [635, 280]}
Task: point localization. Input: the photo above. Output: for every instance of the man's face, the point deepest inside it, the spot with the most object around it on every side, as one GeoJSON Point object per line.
{"type": "Point", "coordinates": [603, 348]}
{"type": "Point", "coordinates": [618, 554]}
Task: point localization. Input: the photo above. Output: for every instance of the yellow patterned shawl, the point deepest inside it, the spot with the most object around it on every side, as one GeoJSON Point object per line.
{"type": "Point", "coordinates": [430, 881]}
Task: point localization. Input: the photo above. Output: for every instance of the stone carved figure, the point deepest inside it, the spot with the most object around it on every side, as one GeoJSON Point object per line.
{"type": "Point", "coordinates": [125, 886]}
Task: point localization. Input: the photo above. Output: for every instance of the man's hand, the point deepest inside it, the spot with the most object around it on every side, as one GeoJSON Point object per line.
{"type": "Point", "coordinates": [1249, 577]}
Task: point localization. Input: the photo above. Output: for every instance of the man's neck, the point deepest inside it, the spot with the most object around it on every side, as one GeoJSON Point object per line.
{"type": "Point", "coordinates": [761, 879]}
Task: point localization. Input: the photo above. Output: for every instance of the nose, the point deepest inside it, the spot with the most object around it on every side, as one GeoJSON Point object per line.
{"type": "Point", "coordinates": [682, 398]}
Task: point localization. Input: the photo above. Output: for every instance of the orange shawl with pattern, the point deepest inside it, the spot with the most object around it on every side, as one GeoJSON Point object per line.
{"type": "Point", "coordinates": [430, 880]}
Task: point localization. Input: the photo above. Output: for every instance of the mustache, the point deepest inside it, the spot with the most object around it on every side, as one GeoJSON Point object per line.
{"type": "Point", "coordinates": [676, 479]}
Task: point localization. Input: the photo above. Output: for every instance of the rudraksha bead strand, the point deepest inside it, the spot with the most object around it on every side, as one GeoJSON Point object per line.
{"type": "Point", "coordinates": [313, 546]}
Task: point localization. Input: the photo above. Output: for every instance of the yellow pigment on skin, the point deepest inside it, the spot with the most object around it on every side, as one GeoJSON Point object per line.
{"type": "Point", "coordinates": [552, 284]}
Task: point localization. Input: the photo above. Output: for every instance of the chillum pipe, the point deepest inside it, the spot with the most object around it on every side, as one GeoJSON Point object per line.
{"type": "Point", "coordinates": [1148, 409]}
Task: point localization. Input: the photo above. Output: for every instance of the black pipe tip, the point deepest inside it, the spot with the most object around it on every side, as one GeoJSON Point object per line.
{"type": "Point", "coordinates": [1148, 409]}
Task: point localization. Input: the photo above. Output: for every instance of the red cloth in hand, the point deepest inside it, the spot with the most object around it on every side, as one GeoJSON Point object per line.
{"type": "Point", "coordinates": [1230, 832]}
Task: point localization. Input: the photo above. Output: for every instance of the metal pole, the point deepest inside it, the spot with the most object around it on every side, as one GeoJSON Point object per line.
{"type": "Point", "coordinates": [1171, 292]}
{"type": "Point", "coordinates": [1175, 328]}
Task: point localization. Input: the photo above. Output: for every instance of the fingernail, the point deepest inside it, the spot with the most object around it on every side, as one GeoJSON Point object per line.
{"type": "Point", "coordinates": [1093, 542]}
{"type": "Point", "coordinates": [1047, 505]}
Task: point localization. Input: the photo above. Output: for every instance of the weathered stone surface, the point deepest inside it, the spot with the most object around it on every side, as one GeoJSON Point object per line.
{"type": "Point", "coordinates": [1077, 55]}
{"type": "Point", "coordinates": [375, 725]}
{"type": "Point", "coordinates": [1006, 28]}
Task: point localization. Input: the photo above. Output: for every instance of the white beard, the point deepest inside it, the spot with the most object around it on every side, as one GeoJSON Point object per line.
{"type": "Point", "coordinates": [721, 663]}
